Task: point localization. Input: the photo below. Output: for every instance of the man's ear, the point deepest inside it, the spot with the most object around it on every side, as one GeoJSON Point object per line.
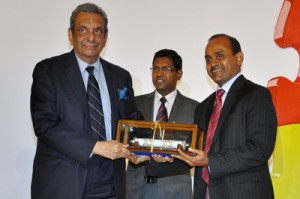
{"type": "Point", "coordinates": [105, 39]}
{"type": "Point", "coordinates": [70, 35]}
{"type": "Point", "coordinates": [239, 57]}
{"type": "Point", "coordinates": [179, 74]}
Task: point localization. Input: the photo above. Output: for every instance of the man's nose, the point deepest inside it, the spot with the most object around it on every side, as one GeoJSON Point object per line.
{"type": "Point", "coordinates": [91, 36]}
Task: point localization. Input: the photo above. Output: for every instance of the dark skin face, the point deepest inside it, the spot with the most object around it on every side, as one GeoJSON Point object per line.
{"type": "Point", "coordinates": [221, 63]}
{"type": "Point", "coordinates": [89, 36]}
{"type": "Point", "coordinates": [165, 82]}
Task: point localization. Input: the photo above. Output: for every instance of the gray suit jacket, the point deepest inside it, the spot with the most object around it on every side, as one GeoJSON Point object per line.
{"type": "Point", "coordinates": [243, 143]}
{"type": "Point", "coordinates": [174, 179]}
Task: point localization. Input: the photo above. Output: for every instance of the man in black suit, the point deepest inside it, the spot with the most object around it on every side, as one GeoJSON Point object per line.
{"type": "Point", "coordinates": [237, 161]}
{"type": "Point", "coordinates": [69, 162]}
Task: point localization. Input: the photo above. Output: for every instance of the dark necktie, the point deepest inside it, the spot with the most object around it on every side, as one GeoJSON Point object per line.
{"type": "Point", "coordinates": [211, 130]}
{"type": "Point", "coordinates": [162, 113]}
{"type": "Point", "coordinates": [162, 116]}
{"type": "Point", "coordinates": [95, 106]}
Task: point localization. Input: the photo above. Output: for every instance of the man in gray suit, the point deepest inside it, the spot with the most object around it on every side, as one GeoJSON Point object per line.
{"type": "Point", "coordinates": [160, 179]}
{"type": "Point", "coordinates": [236, 164]}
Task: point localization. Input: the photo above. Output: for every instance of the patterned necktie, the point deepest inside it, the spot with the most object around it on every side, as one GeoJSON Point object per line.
{"type": "Point", "coordinates": [211, 130]}
{"type": "Point", "coordinates": [162, 116]}
{"type": "Point", "coordinates": [162, 113]}
{"type": "Point", "coordinates": [95, 106]}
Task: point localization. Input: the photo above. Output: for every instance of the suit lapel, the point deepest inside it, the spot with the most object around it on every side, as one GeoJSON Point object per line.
{"type": "Point", "coordinates": [175, 112]}
{"type": "Point", "coordinates": [73, 74]}
{"type": "Point", "coordinates": [229, 102]}
{"type": "Point", "coordinates": [208, 112]}
{"type": "Point", "coordinates": [148, 111]}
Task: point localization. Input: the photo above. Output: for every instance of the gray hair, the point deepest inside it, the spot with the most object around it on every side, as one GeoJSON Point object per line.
{"type": "Point", "coordinates": [91, 8]}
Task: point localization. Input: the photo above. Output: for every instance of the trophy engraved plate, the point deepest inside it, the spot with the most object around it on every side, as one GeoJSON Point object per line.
{"type": "Point", "coordinates": [162, 138]}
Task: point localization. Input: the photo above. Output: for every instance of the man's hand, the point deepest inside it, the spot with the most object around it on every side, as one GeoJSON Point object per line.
{"type": "Point", "coordinates": [161, 159]}
{"type": "Point", "coordinates": [136, 159]}
{"type": "Point", "coordinates": [112, 150]}
{"type": "Point", "coordinates": [199, 159]}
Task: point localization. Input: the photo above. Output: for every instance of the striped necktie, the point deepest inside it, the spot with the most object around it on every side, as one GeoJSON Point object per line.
{"type": "Point", "coordinates": [95, 106]}
{"type": "Point", "coordinates": [161, 116]}
{"type": "Point", "coordinates": [211, 130]}
{"type": "Point", "coordinates": [162, 113]}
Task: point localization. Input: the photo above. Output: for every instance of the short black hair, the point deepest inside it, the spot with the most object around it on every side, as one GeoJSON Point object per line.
{"type": "Point", "coordinates": [172, 54]}
{"type": "Point", "coordinates": [235, 44]}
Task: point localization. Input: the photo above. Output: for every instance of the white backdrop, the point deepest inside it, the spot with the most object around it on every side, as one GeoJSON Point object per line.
{"type": "Point", "coordinates": [32, 30]}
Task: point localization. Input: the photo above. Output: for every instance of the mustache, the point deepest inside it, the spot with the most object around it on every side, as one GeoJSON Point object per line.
{"type": "Point", "coordinates": [216, 66]}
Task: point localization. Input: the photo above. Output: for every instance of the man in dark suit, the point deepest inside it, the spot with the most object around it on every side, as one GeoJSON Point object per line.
{"type": "Point", "coordinates": [157, 179]}
{"type": "Point", "coordinates": [70, 163]}
{"type": "Point", "coordinates": [245, 134]}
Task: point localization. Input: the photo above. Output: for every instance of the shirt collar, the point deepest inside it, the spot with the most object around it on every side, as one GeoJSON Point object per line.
{"type": "Point", "coordinates": [82, 64]}
{"type": "Point", "coordinates": [170, 97]}
{"type": "Point", "coordinates": [228, 84]}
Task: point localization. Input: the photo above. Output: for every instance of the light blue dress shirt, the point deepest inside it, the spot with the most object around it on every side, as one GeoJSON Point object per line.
{"type": "Point", "coordinates": [227, 86]}
{"type": "Point", "coordinates": [100, 77]}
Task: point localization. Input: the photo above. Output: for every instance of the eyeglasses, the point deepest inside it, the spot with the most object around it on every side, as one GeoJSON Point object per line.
{"type": "Point", "coordinates": [166, 69]}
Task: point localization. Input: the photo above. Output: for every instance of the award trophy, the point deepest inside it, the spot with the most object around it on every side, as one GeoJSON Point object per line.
{"type": "Point", "coordinates": [161, 138]}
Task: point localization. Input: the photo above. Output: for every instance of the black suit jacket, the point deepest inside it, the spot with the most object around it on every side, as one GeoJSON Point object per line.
{"type": "Point", "coordinates": [61, 123]}
{"type": "Point", "coordinates": [242, 145]}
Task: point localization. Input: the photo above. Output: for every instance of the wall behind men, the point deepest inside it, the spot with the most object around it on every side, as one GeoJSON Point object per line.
{"type": "Point", "coordinates": [33, 30]}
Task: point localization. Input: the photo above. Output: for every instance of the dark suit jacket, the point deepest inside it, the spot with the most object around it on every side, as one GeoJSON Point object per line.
{"type": "Point", "coordinates": [182, 112]}
{"type": "Point", "coordinates": [242, 145]}
{"type": "Point", "coordinates": [61, 123]}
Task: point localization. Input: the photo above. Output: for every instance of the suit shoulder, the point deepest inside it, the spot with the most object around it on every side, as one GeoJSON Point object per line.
{"type": "Point", "coordinates": [51, 63]}
{"type": "Point", "coordinates": [205, 103]}
{"type": "Point", "coordinates": [251, 87]}
{"type": "Point", "coordinates": [187, 99]}
{"type": "Point", "coordinates": [144, 96]}
{"type": "Point", "coordinates": [141, 98]}
{"type": "Point", "coordinates": [113, 67]}
{"type": "Point", "coordinates": [55, 59]}
{"type": "Point", "coordinates": [190, 100]}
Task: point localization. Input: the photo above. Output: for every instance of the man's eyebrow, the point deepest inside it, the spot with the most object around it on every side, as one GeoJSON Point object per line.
{"type": "Point", "coordinates": [82, 26]}
{"type": "Point", "coordinates": [219, 52]}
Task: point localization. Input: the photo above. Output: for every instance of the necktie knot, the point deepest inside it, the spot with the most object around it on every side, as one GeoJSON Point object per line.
{"type": "Point", "coordinates": [163, 100]}
{"type": "Point", "coordinates": [90, 70]}
{"type": "Point", "coordinates": [220, 93]}
{"type": "Point", "coordinates": [162, 114]}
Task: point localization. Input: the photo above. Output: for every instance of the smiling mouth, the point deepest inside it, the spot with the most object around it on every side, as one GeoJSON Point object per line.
{"type": "Point", "coordinates": [160, 81]}
{"type": "Point", "coordinates": [216, 70]}
{"type": "Point", "coordinates": [90, 47]}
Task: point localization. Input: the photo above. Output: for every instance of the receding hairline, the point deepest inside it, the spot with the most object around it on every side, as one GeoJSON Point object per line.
{"type": "Point", "coordinates": [88, 8]}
